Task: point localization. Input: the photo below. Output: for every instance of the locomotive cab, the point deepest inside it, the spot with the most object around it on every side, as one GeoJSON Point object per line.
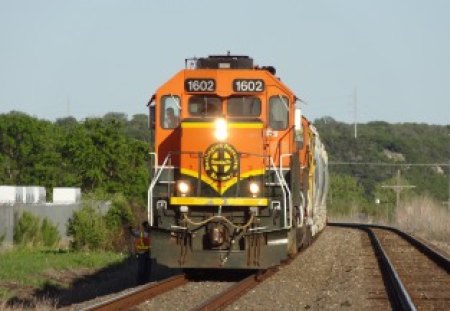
{"type": "Point", "coordinates": [229, 186]}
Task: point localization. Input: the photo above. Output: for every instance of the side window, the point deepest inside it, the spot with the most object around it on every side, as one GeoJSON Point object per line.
{"type": "Point", "coordinates": [151, 116]}
{"type": "Point", "coordinates": [278, 112]}
{"type": "Point", "coordinates": [170, 111]}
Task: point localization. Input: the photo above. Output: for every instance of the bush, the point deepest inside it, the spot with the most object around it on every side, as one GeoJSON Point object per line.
{"type": "Point", "coordinates": [116, 218]}
{"type": "Point", "coordinates": [26, 232]}
{"type": "Point", "coordinates": [29, 231]}
{"type": "Point", "coordinates": [49, 232]}
{"type": "Point", "coordinates": [119, 214]}
{"type": "Point", "coordinates": [88, 229]}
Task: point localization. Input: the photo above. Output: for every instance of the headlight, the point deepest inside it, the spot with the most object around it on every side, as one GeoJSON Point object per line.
{"type": "Point", "coordinates": [254, 188]}
{"type": "Point", "coordinates": [183, 187]}
{"type": "Point", "coordinates": [221, 132]}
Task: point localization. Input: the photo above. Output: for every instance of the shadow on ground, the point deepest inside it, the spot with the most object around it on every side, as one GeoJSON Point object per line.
{"type": "Point", "coordinates": [109, 280]}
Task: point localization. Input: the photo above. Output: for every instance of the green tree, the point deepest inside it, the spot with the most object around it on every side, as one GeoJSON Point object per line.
{"type": "Point", "coordinates": [137, 128]}
{"type": "Point", "coordinates": [28, 151]}
{"type": "Point", "coordinates": [106, 159]}
{"type": "Point", "coordinates": [345, 195]}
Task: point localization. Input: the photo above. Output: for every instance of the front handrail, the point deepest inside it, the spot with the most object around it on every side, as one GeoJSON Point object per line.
{"type": "Point", "coordinates": [158, 171]}
{"type": "Point", "coordinates": [287, 196]}
{"type": "Point", "coordinates": [152, 185]}
{"type": "Point", "coordinates": [284, 188]}
{"type": "Point", "coordinates": [287, 187]}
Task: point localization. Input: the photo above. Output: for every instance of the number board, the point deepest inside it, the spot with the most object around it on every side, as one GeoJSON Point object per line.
{"type": "Point", "coordinates": [200, 85]}
{"type": "Point", "coordinates": [248, 85]}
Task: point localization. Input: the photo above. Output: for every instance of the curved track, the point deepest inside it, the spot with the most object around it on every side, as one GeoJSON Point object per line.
{"type": "Point", "coordinates": [416, 276]}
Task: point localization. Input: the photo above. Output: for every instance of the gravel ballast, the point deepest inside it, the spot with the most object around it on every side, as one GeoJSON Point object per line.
{"type": "Point", "coordinates": [337, 272]}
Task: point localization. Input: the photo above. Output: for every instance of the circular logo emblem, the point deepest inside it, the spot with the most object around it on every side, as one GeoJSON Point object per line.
{"type": "Point", "coordinates": [220, 161]}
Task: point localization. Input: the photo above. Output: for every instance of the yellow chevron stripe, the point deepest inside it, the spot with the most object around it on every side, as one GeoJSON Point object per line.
{"type": "Point", "coordinates": [226, 184]}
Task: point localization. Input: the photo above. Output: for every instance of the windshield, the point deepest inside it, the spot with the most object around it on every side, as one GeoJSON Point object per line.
{"type": "Point", "coordinates": [208, 106]}
{"type": "Point", "coordinates": [244, 106]}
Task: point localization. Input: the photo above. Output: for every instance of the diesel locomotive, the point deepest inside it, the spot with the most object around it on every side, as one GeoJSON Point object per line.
{"type": "Point", "coordinates": [239, 175]}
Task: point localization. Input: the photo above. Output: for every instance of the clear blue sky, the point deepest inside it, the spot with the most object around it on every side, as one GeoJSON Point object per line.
{"type": "Point", "coordinates": [90, 57]}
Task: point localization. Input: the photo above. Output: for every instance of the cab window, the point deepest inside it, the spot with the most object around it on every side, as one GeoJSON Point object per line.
{"type": "Point", "coordinates": [205, 106]}
{"type": "Point", "coordinates": [170, 111]}
{"type": "Point", "coordinates": [244, 106]}
{"type": "Point", "coordinates": [278, 112]}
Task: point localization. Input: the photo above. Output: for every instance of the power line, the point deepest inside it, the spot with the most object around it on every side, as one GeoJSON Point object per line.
{"type": "Point", "coordinates": [388, 164]}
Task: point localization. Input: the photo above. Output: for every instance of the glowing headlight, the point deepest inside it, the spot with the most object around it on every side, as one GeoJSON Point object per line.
{"type": "Point", "coordinates": [183, 187]}
{"type": "Point", "coordinates": [221, 132]}
{"type": "Point", "coordinates": [254, 188]}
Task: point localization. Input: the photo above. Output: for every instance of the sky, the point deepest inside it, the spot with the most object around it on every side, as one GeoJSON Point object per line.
{"type": "Point", "coordinates": [387, 60]}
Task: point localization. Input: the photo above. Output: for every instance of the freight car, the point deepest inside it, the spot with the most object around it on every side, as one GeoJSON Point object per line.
{"type": "Point", "coordinates": [240, 176]}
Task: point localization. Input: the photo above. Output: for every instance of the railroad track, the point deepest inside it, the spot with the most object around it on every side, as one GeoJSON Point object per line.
{"type": "Point", "coordinates": [143, 293]}
{"type": "Point", "coordinates": [231, 294]}
{"type": "Point", "coordinates": [413, 277]}
{"type": "Point", "coordinates": [416, 276]}
{"type": "Point", "coordinates": [224, 298]}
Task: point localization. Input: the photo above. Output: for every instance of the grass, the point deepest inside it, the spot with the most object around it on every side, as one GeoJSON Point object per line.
{"type": "Point", "coordinates": [421, 216]}
{"type": "Point", "coordinates": [426, 218]}
{"type": "Point", "coordinates": [28, 267]}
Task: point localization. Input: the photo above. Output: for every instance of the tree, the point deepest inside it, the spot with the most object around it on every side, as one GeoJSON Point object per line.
{"type": "Point", "coordinates": [345, 195]}
{"type": "Point", "coordinates": [28, 150]}
{"type": "Point", "coordinates": [137, 127]}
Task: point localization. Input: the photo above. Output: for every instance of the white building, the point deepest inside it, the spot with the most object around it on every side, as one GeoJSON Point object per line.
{"type": "Point", "coordinates": [66, 195]}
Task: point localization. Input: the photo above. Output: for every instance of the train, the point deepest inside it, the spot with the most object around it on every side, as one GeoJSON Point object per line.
{"type": "Point", "coordinates": [239, 175]}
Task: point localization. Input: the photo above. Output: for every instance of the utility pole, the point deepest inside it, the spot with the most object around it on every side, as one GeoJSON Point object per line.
{"type": "Point", "coordinates": [449, 185]}
{"type": "Point", "coordinates": [355, 111]}
{"type": "Point", "coordinates": [68, 106]}
{"type": "Point", "coordinates": [398, 188]}
{"type": "Point", "coordinates": [449, 177]}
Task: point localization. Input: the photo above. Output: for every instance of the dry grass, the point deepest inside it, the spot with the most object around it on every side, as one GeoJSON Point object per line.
{"type": "Point", "coordinates": [425, 218]}
{"type": "Point", "coordinates": [38, 305]}
{"type": "Point", "coordinates": [420, 216]}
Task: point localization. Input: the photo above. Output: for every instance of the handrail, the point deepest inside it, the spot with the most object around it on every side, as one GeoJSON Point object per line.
{"type": "Point", "coordinates": [287, 196]}
{"type": "Point", "coordinates": [286, 185]}
{"type": "Point", "coordinates": [155, 156]}
{"type": "Point", "coordinates": [150, 189]}
{"type": "Point", "coordinates": [283, 185]}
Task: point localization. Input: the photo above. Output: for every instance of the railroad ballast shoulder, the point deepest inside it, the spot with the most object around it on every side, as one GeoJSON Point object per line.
{"type": "Point", "coordinates": [240, 176]}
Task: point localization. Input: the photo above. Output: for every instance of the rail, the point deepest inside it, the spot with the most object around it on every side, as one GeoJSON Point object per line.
{"type": "Point", "coordinates": [139, 295]}
{"type": "Point", "coordinates": [231, 294]}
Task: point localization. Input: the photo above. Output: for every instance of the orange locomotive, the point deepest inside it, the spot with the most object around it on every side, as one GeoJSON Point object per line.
{"type": "Point", "coordinates": [240, 177]}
